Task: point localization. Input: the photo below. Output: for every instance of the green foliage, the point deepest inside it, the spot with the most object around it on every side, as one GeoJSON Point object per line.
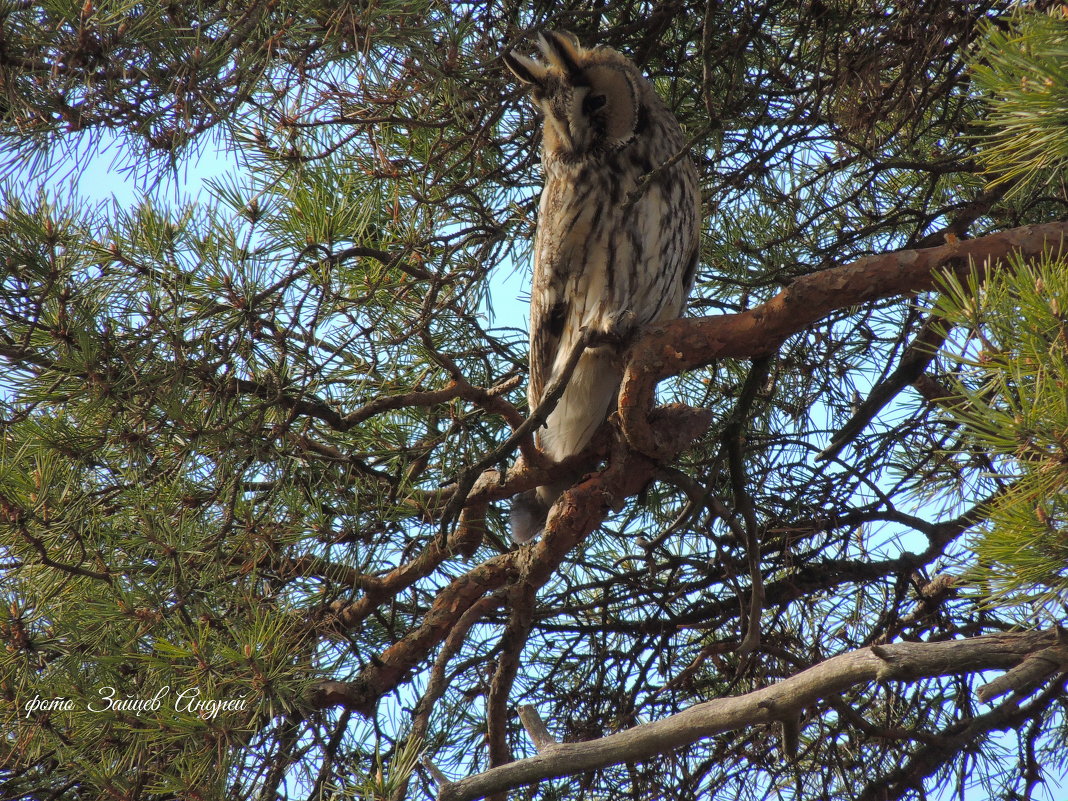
{"type": "Point", "coordinates": [177, 470]}
{"type": "Point", "coordinates": [389, 780]}
{"type": "Point", "coordinates": [229, 432]}
{"type": "Point", "coordinates": [1010, 394]}
{"type": "Point", "coordinates": [164, 74]}
{"type": "Point", "coordinates": [138, 565]}
{"type": "Point", "coordinates": [1022, 63]}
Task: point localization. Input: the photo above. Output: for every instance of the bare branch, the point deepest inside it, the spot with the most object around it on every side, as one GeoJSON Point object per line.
{"type": "Point", "coordinates": [906, 661]}
{"type": "Point", "coordinates": [536, 729]}
{"type": "Point", "coordinates": [733, 438]}
{"type": "Point", "coordinates": [1034, 669]}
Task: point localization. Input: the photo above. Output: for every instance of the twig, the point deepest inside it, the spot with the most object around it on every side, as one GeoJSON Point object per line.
{"type": "Point", "coordinates": [913, 363]}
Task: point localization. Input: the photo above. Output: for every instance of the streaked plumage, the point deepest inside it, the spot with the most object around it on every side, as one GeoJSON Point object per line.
{"type": "Point", "coordinates": [601, 259]}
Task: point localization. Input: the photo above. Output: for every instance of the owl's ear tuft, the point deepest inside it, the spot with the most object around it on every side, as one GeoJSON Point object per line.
{"type": "Point", "coordinates": [525, 69]}
{"type": "Point", "coordinates": [562, 50]}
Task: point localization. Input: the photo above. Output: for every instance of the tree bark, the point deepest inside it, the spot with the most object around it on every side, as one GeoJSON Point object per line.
{"type": "Point", "coordinates": [686, 344]}
{"type": "Point", "coordinates": [905, 661]}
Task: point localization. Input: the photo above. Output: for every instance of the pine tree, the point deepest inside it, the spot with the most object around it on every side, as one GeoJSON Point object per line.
{"type": "Point", "coordinates": [256, 451]}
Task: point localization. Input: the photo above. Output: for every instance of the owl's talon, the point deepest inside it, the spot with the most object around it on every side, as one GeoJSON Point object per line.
{"type": "Point", "coordinates": [622, 324]}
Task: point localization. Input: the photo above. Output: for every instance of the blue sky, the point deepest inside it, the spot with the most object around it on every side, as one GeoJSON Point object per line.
{"type": "Point", "coordinates": [100, 172]}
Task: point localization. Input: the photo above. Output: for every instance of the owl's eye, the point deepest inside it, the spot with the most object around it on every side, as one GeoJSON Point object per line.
{"type": "Point", "coordinates": [592, 103]}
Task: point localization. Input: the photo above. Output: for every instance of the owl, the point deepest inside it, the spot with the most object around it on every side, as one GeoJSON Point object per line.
{"type": "Point", "coordinates": [616, 246]}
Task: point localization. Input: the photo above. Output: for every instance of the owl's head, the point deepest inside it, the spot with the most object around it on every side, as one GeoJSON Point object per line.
{"type": "Point", "coordinates": [591, 98]}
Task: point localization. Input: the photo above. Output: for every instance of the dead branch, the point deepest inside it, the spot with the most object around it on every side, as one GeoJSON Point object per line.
{"type": "Point", "coordinates": [905, 661]}
{"type": "Point", "coordinates": [1035, 669]}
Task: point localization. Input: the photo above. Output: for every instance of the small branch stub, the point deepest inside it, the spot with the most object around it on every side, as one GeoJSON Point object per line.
{"type": "Point", "coordinates": [435, 773]}
{"type": "Point", "coordinates": [536, 728]}
{"type": "Point", "coordinates": [889, 670]}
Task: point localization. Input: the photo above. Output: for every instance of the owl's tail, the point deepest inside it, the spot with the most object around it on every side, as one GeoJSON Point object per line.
{"type": "Point", "coordinates": [585, 404]}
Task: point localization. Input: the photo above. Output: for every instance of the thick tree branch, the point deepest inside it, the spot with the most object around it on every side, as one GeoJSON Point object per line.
{"type": "Point", "coordinates": [690, 343]}
{"type": "Point", "coordinates": [906, 661]}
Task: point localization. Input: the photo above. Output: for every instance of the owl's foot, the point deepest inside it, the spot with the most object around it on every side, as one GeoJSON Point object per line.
{"type": "Point", "coordinates": [619, 329]}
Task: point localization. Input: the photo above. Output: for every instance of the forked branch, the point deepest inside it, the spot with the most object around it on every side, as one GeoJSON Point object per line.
{"type": "Point", "coordinates": [904, 661]}
{"type": "Point", "coordinates": [690, 343]}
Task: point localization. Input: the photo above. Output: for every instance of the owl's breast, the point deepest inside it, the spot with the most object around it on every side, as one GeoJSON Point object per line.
{"type": "Point", "coordinates": [600, 250]}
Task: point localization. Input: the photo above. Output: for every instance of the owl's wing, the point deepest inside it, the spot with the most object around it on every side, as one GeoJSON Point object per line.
{"type": "Point", "coordinates": [548, 317]}
{"type": "Point", "coordinates": [568, 290]}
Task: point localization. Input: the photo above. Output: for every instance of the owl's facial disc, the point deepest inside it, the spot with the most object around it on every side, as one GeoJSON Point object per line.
{"type": "Point", "coordinates": [610, 103]}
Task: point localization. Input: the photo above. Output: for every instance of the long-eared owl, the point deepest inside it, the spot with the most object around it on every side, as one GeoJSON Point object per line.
{"type": "Point", "coordinates": [617, 235]}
